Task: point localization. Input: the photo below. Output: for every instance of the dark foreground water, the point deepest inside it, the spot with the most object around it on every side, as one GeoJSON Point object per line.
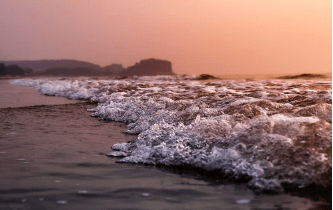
{"type": "Point", "coordinates": [53, 157]}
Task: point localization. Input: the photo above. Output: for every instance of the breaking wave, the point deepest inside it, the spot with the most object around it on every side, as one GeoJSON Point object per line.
{"type": "Point", "coordinates": [275, 134]}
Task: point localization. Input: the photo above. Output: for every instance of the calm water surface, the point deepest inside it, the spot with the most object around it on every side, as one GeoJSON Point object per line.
{"type": "Point", "coordinates": [20, 96]}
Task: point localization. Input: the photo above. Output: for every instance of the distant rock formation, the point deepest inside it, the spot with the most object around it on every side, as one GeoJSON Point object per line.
{"type": "Point", "coordinates": [303, 76]}
{"type": "Point", "coordinates": [206, 77]}
{"type": "Point", "coordinates": [42, 65]}
{"type": "Point", "coordinates": [149, 67]}
{"type": "Point", "coordinates": [67, 67]}
{"type": "Point", "coordinates": [14, 70]}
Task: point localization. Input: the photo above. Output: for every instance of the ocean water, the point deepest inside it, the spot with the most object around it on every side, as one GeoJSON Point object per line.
{"type": "Point", "coordinates": [20, 96]}
{"type": "Point", "coordinates": [273, 136]}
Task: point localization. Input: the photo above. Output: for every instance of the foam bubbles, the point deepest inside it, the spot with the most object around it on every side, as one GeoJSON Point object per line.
{"type": "Point", "coordinates": [270, 132]}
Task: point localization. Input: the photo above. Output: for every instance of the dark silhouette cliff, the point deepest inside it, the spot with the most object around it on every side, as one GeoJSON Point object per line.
{"type": "Point", "coordinates": [149, 67]}
{"type": "Point", "coordinates": [65, 67]}
{"type": "Point", "coordinates": [42, 65]}
{"type": "Point", "coordinates": [14, 70]}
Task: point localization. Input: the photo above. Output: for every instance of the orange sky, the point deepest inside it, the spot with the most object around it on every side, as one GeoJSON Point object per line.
{"type": "Point", "coordinates": [215, 37]}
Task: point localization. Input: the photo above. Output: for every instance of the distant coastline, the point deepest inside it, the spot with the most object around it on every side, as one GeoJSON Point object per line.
{"type": "Point", "coordinates": [146, 67]}
{"type": "Point", "coordinates": [304, 76]}
{"type": "Point", "coordinates": [326, 76]}
{"type": "Point", "coordinates": [68, 67]}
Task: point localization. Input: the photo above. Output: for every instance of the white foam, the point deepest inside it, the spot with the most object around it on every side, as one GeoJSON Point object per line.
{"type": "Point", "coordinates": [239, 128]}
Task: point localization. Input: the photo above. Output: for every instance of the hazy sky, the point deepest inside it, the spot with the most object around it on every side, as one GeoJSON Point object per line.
{"type": "Point", "coordinates": [215, 36]}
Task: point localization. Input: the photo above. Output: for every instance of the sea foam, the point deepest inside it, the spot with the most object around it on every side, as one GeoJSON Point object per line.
{"type": "Point", "coordinates": [272, 132]}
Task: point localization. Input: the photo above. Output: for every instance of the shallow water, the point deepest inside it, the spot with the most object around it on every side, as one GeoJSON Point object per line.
{"type": "Point", "coordinates": [20, 96]}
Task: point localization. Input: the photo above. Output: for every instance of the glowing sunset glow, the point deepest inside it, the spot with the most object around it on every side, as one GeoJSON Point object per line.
{"type": "Point", "coordinates": [215, 37]}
